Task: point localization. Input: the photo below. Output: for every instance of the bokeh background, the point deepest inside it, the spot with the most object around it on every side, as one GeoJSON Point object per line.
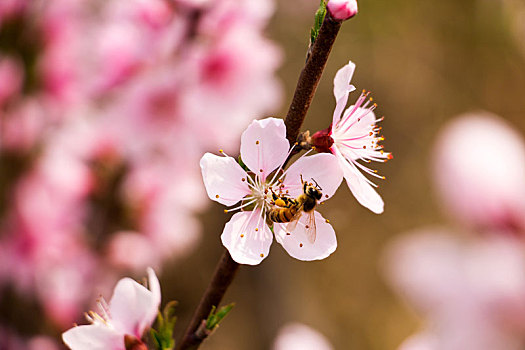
{"type": "Point", "coordinates": [425, 62]}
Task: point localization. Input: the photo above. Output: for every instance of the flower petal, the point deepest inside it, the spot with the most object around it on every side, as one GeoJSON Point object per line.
{"type": "Point", "coordinates": [93, 337]}
{"type": "Point", "coordinates": [264, 146]}
{"type": "Point", "coordinates": [361, 121]}
{"type": "Point", "coordinates": [132, 306]}
{"type": "Point", "coordinates": [342, 88]}
{"type": "Point", "coordinates": [154, 287]}
{"type": "Point", "coordinates": [223, 179]}
{"type": "Point", "coordinates": [324, 168]}
{"type": "Point", "coordinates": [296, 243]}
{"type": "Point", "coordinates": [246, 244]}
{"type": "Point", "coordinates": [359, 186]}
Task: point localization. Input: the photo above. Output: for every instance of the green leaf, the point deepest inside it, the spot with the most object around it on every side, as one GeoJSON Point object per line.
{"type": "Point", "coordinates": [318, 21]}
{"type": "Point", "coordinates": [163, 336]}
{"type": "Point", "coordinates": [215, 317]}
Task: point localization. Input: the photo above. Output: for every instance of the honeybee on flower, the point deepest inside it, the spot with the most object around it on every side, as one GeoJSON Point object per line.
{"type": "Point", "coordinates": [290, 210]}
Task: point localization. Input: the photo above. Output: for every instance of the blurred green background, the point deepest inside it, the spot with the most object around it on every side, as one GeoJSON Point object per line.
{"type": "Point", "coordinates": [425, 62]}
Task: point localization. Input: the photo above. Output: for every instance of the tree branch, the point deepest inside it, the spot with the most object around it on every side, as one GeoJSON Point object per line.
{"type": "Point", "coordinates": [221, 280]}
{"type": "Point", "coordinates": [309, 78]}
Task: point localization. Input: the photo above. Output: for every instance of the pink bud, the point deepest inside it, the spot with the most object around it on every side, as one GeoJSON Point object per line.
{"type": "Point", "coordinates": [342, 10]}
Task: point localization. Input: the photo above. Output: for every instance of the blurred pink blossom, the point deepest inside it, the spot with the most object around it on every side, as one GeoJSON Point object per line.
{"type": "Point", "coordinates": [297, 336]}
{"type": "Point", "coordinates": [479, 171]}
{"type": "Point", "coordinates": [111, 131]}
{"type": "Point", "coordinates": [11, 78]}
{"type": "Point", "coordinates": [10, 8]}
{"type": "Point", "coordinates": [24, 125]}
{"type": "Point", "coordinates": [420, 341]}
{"type": "Point", "coordinates": [42, 343]}
{"type": "Point", "coordinates": [9, 340]}
{"type": "Point", "coordinates": [472, 293]}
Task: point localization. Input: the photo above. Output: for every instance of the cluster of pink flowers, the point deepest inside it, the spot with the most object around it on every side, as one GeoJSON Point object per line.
{"type": "Point", "coordinates": [469, 286]}
{"type": "Point", "coordinates": [105, 109]}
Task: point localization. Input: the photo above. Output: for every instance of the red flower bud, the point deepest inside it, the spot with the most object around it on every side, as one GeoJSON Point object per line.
{"type": "Point", "coordinates": [322, 140]}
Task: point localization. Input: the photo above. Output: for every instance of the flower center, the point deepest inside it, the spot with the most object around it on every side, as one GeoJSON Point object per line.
{"type": "Point", "coordinates": [104, 317]}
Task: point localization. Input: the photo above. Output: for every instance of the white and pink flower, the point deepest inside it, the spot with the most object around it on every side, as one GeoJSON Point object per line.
{"type": "Point", "coordinates": [264, 149]}
{"type": "Point", "coordinates": [353, 137]}
{"type": "Point", "coordinates": [131, 310]}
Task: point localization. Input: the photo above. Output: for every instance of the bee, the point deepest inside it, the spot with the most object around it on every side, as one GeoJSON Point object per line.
{"type": "Point", "coordinates": [289, 210]}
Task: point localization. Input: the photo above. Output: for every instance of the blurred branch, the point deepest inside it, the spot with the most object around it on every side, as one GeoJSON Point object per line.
{"type": "Point", "coordinates": [304, 93]}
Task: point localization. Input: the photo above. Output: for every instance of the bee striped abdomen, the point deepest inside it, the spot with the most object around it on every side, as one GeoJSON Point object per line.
{"type": "Point", "coordinates": [282, 214]}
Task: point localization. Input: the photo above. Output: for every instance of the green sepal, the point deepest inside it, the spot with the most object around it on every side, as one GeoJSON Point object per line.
{"type": "Point", "coordinates": [241, 163]}
{"type": "Point", "coordinates": [215, 317]}
{"type": "Point", "coordinates": [163, 336]}
{"type": "Point", "coordinates": [318, 21]}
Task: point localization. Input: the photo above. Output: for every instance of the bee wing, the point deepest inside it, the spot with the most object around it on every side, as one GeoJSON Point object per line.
{"type": "Point", "coordinates": [310, 228]}
{"type": "Point", "coordinates": [293, 224]}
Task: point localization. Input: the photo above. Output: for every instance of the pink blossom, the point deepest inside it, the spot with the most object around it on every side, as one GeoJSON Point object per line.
{"type": "Point", "coordinates": [342, 10]}
{"type": "Point", "coordinates": [264, 148]}
{"type": "Point", "coordinates": [132, 250]}
{"type": "Point", "coordinates": [471, 292]}
{"type": "Point", "coordinates": [42, 343]}
{"type": "Point", "coordinates": [420, 341]}
{"type": "Point", "coordinates": [479, 171]}
{"type": "Point", "coordinates": [353, 137]}
{"type": "Point", "coordinates": [11, 77]}
{"type": "Point", "coordinates": [23, 125]}
{"type": "Point", "coordinates": [297, 336]}
{"type": "Point", "coordinates": [9, 8]}
{"type": "Point", "coordinates": [131, 310]}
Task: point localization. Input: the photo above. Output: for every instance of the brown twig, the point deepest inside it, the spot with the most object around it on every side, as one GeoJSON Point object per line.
{"type": "Point", "coordinates": [309, 78]}
{"type": "Point", "coordinates": [304, 92]}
